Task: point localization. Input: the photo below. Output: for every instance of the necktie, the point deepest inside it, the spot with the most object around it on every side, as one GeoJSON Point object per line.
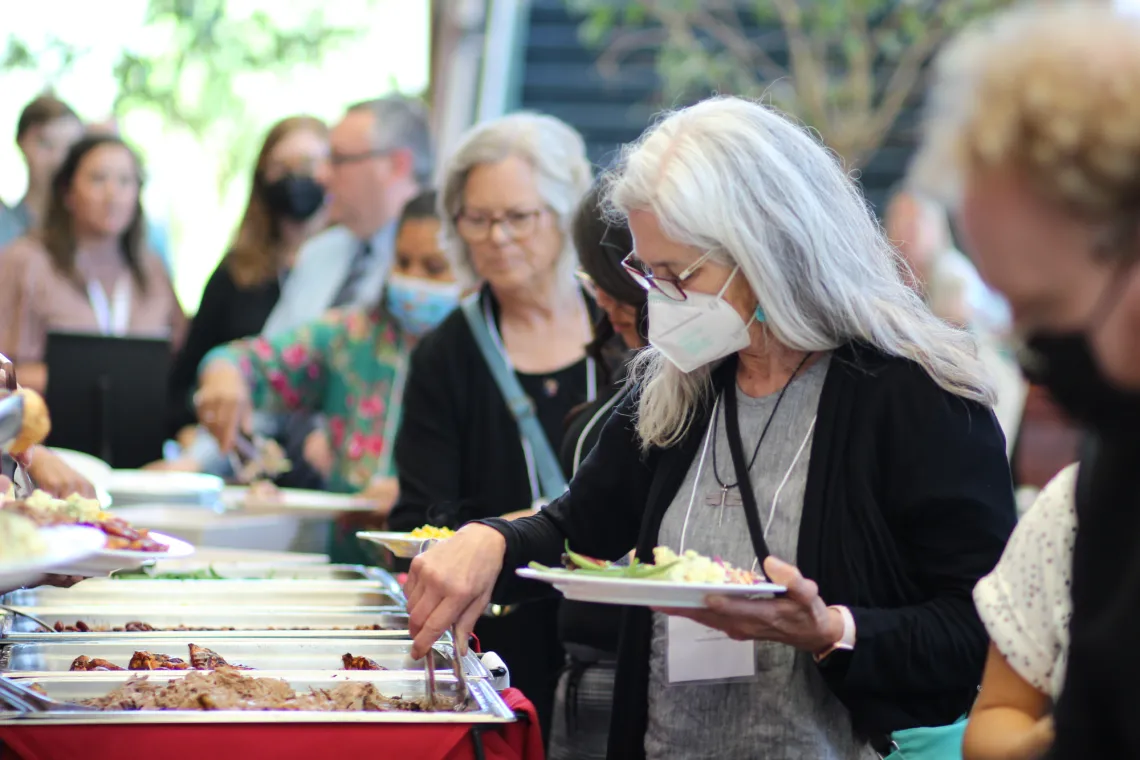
{"type": "Point", "coordinates": [356, 272]}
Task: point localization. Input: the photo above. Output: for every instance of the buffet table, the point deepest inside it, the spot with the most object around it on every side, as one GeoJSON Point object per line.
{"type": "Point", "coordinates": [283, 741]}
{"type": "Point", "coordinates": [288, 621]}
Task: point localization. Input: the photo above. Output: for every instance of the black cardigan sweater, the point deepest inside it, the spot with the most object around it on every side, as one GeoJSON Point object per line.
{"type": "Point", "coordinates": [908, 503]}
{"type": "Point", "coordinates": [460, 458]}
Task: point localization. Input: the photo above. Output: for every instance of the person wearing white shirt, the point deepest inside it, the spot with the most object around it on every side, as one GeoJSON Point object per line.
{"type": "Point", "coordinates": [1025, 606]}
{"type": "Point", "coordinates": [380, 156]}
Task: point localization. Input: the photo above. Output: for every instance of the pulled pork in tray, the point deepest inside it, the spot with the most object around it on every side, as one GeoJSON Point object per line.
{"type": "Point", "coordinates": [227, 689]}
{"type": "Point", "coordinates": [201, 658]}
{"type": "Point", "coordinates": [136, 626]}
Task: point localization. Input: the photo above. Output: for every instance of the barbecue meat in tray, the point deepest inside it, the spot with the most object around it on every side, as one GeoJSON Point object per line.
{"type": "Point", "coordinates": [138, 626]}
{"type": "Point", "coordinates": [201, 658]}
{"type": "Point", "coordinates": [228, 689]}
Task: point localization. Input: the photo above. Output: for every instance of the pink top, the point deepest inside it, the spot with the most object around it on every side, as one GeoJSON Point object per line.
{"type": "Point", "coordinates": [36, 298]}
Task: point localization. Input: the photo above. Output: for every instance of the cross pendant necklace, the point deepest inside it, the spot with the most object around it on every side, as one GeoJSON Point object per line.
{"type": "Point", "coordinates": [725, 496]}
{"type": "Point", "coordinates": [729, 493]}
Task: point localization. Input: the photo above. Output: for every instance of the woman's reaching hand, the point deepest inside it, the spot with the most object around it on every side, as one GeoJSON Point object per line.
{"type": "Point", "coordinates": [451, 584]}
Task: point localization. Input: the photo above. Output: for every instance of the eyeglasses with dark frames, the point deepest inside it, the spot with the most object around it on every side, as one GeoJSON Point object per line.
{"type": "Point", "coordinates": [477, 227]}
{"type": "Point", "coordinates": [670, 287]}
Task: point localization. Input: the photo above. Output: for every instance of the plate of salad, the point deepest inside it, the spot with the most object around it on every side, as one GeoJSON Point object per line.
{"type": "Point", "coordinates": [671, 580]}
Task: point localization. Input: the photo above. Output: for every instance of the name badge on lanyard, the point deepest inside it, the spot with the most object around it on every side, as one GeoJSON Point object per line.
{"type": "Point", "coordinates": [699, 653]}
{"type": "Point", "coordinates": [112, 316]}
{"type": "Point", "coordinates": [695, 652]}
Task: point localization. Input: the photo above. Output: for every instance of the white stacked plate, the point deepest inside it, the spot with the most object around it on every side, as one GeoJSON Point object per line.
{"type": "Point", "coordinates": [146, 487]}
{"type": "Point", "coordinates": [297, 502]}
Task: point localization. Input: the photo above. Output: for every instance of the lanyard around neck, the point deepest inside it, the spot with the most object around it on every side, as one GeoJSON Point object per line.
{"type": "Point", "coordinates": [112, 316]}
{"type": "Point", "coordinates": [591, 395]}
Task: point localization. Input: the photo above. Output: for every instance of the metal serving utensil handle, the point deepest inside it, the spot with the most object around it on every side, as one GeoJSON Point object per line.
{"type": "Point", "coordinates": [461, 692]}
{"type": "Point", "coordinates": [429, 668]}
{"type": "Point", "coordinates": [11, 419]}
{"type": "Point", "coordinates": [29, 616]}
{"type": "Point", "coordinates": [28, 700]}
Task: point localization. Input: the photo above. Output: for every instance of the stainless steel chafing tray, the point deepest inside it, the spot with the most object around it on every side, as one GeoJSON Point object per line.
{"type": "Point", "coordinates": [238, 570]}
{"type": "Point", "coordinates": [246, 593]}
{"type": "Point", "coordinates": [484, 706]}
{"type": "Point", "coordinates": [250, 622]}
{"type": "Point", "coordinates": [278, 654]}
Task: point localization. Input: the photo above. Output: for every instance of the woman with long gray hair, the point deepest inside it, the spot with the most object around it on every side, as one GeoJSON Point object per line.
{"type": "Point", "coordinates": [801, 411]}
{"type": "Point", "coordinates": [489, 390]}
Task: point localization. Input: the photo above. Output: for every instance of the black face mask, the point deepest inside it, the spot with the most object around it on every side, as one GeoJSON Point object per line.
{"type": "Point", "coordinates": [294, 196]}
{"type": "Point", "coordinates": [1065, 365]}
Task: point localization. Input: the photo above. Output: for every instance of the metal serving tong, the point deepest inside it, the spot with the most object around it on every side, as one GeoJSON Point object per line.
{"type": "Point", "coordinates": [21, 698]}
{"type": "Point", "coordinates": [461, 693]}
{"type": "Point", "coordinates": [429, 668]}
{"type": "Point", "coordinates": [461, 690]}
{"type": "Point", "coordinates": [28, 615]}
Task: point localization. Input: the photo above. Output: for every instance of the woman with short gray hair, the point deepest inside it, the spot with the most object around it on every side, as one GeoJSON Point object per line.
{"type": "Point", "coordinates": [489, 390]}
{"type": "Point", "coordinates": [800, 412]}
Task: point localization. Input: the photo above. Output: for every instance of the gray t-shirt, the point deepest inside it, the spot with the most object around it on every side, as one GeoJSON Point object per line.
{"type": "Point", "coordinates": [785, 710]}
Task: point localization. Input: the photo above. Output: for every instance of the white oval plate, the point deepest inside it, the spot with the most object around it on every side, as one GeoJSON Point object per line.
{"type": "Point", "coordinates": [296, 500]}
{"type": "Point", "coordinates": [400, 544]}
{"type": "Point", "coordinates": [106, 561]}
{"type": "Point", "coordinates": [155, 487]}
{"type": "Point", "coordinates": [67, 544]}
{"type": "Point", "coordinates": [583, 587]}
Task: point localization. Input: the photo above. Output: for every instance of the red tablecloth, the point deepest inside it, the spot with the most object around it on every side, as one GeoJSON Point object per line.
{"type": "Point", "coordinates": [521, 740]}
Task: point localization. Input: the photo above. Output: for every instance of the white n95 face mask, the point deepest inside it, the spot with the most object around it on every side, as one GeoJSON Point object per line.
{"type": "Point", "coordinates": [697, 331]}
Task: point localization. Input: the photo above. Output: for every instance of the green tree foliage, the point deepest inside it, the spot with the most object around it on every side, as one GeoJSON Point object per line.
{"type": "Point", "coordinates": [845, 67]}
{"type": "Point", "coordinates": [189, 60]}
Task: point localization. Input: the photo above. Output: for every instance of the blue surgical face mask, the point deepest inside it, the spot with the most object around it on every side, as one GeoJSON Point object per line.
{"type": "Point", "coordinates": [420, 305]}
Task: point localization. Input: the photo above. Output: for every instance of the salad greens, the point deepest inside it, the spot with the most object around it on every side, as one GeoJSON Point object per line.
{"type": "Point", "coordinates": [205, 574]}
{"type": "Point", "coordinates": [580, 563]}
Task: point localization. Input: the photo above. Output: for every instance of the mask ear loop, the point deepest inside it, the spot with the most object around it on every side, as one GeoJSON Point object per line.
{"type": "Point", "coordinates": [758, 315]}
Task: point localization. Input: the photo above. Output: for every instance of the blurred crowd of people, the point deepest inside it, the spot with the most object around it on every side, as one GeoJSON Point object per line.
{"type": "Point", "coordinates": [713, 346]}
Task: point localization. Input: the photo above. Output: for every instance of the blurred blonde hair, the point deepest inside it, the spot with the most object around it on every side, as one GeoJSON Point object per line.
{"type": "Point", "coordinates": [1051, 92]}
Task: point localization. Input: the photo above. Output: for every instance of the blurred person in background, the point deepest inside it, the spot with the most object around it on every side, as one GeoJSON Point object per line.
{"type": "Point", "coordinates": [351, 365]}
{"type": "Point", "coordinates": [86, 268]}
{"type": "Point", "coordinates": [157, 236]}
{"type": "Point", "coordinates": [583, 700]}
{"type": "Point", "coordinates": [509, 195]}
{"type": "Point", "coordinates": [1034, 120]}
{"type": "Point", "coordinates": [1026, 608]}
{"type": "Point", "coordinates": [380, 156]}
{"type": "Point", "coordinates": [45, 131]}
{"type": "Point", "coordinates": [950, 283]}
{"type": "Point", "coordinates": [285, 208]}
{"type": "Point", "coordinates": [919, 228]}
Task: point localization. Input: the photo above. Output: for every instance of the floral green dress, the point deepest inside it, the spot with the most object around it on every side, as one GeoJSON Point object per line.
{"type": "Point", "coordinates": [349, 366]}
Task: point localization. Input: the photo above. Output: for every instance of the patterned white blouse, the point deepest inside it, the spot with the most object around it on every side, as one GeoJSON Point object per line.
{"type": "Point", "coordinates": [1025, 602]}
